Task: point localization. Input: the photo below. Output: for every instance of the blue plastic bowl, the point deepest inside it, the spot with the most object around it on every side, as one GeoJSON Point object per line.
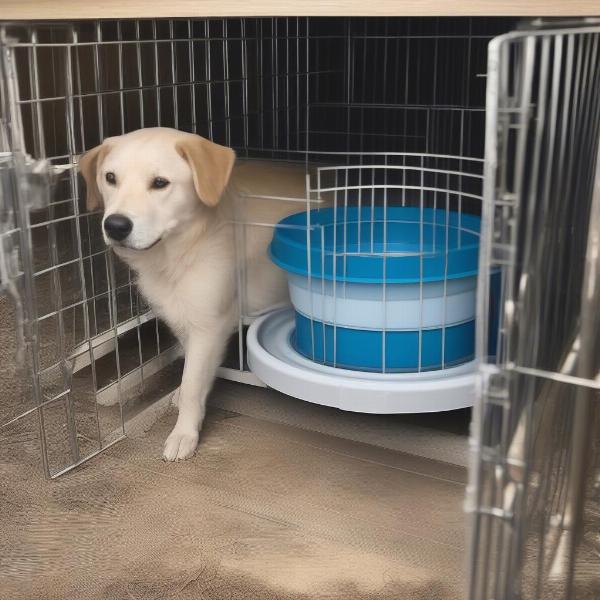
{"type": "Point", "coordinates": [370, 246]}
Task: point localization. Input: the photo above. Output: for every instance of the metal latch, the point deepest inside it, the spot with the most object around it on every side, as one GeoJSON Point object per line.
{"type": "Point", "coordinates": [37, 181]}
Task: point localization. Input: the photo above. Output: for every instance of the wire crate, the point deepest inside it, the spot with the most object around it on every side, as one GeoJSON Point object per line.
{"type": "Point", "coordinates": [397, 103]}
{"type": "Point", "coordinates": [332, 92]}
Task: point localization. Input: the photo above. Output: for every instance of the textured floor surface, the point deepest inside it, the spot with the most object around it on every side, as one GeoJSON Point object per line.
{"type": "Point", "coordinates": [265, 510]}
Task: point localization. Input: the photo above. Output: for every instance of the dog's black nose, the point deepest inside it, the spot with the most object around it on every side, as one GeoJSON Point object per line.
{"type": "Point", "coordinates": [117, 227]}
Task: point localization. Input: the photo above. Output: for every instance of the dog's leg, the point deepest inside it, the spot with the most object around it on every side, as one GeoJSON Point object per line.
{"type": "Point", "coordinates": [175, 398]}
{"type": "Point", "coordinates": [202, 357]}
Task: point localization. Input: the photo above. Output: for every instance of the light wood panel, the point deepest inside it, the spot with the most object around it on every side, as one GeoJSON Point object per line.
{"type": "Point", "coordinates": [104, 9]}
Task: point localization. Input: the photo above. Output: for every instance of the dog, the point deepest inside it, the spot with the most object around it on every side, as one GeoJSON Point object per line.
{"type": "Point", "coordinates": [171, 200]}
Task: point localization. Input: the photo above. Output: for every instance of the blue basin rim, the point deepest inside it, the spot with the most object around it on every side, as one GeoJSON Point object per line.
{"type": "Point", "coordinates": [360, 248]}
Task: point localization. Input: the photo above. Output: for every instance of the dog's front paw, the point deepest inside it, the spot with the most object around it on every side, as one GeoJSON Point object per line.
{"type": "Point", "coordinates": [180, 444]}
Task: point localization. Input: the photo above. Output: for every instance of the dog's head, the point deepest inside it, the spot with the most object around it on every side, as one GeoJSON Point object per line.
{"type": "Point", "coordinates": [152, 181]}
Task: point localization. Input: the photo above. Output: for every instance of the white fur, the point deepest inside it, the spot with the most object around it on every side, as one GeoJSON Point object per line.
{"type": "Point", "coordinates": [189, 276]}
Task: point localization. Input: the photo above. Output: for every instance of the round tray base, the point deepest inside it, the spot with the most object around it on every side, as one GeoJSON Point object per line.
{"type": "Point", "coordinates": [273, 360]}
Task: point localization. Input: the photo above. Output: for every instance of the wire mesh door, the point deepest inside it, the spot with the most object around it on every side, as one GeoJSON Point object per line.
{"type": "Point", "coordinates": [534, 487]}
{"type": "Point", "coordinates": [47, 253]}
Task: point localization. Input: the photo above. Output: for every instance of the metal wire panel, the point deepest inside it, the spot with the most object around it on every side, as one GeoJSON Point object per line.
{"type": "Point", "coordinates": [536, 432]}
{"type": "Point", "coordinates": [443, 184]}
{"type": "Point", "coordinates": [392, 104]}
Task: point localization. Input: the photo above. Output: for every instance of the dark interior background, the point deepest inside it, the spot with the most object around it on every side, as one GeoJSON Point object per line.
{"type": "Point", "coordinates": [281, 85]}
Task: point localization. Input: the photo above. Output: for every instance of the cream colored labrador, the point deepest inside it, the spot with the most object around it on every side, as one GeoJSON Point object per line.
{"type": "Point", "coordinates": [169, 201]}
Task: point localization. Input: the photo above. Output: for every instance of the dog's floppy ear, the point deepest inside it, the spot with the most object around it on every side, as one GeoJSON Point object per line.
{"type": "Point", "coordinates": [210, 163]}
{"type": "Point", "coordinates": [88, 167]}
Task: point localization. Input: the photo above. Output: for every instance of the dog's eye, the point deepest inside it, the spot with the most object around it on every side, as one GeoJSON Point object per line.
{"type": "Point", "coordinates": [111, 178]}
{"type": "Point", "coordinates": [159, 182]}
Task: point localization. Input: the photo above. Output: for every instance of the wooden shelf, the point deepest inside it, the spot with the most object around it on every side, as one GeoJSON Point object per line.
{"type": "Point", "coordinates": [111, 9]}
